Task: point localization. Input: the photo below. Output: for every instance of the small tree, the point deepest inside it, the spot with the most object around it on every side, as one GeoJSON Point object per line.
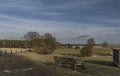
{"type": "Point", "coordinates": [105, 44]}
{"type": "Point", "coordinates": [77, 47]}
{"type": "Point", "coordinates": [87, 50]}
{"type": "Point", "coordinates": [70, 46]}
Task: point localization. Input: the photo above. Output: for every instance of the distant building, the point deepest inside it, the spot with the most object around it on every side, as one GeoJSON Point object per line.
{"type": "Point", "coordinates": [116, 57]}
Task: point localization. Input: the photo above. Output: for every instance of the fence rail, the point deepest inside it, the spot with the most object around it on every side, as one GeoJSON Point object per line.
{"type": "Point", "coordinates": [6, 52]}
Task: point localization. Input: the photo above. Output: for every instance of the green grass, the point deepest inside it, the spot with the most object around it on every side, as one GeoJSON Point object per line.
{"type": "Point", "coordinates": [43, 65]}
{"type": "Point", "coordinates": [101, 66]}
{"type": "Point", "coordinates": [115, 46]}
{"type": "Point", "coordinates": [66, 51]}
{"type": "Point", "coordinates": [101, 51]}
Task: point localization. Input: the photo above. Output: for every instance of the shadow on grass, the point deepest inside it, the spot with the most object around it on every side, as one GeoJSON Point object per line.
{"type": "Point", "coordinates": [17, 62]}
{"type": "Point", "coordinates": [100, 62]}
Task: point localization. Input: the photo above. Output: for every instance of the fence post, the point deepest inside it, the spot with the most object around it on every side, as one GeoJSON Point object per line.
{"type": "Point", "coordinates": [5, 52]}
{"type": "Point", "coordinates": [0, 53]}
{"type": "Point", "coordinates": [21, 51]}
{"type": "Point", "coordinates": [15, 51]}
{"type": "Point", "coordinates": [11, 52]}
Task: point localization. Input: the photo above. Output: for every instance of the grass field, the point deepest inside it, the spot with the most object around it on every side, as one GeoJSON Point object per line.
{"type": "Point", "coordinates": [43, 65]}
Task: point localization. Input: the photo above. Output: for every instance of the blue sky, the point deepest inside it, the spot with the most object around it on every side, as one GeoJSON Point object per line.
{"type": "Point", "coordinates": [62, 18]}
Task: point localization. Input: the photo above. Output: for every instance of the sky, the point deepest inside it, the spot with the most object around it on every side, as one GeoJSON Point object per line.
{"type": "Point", "coordinates": [64, 19]}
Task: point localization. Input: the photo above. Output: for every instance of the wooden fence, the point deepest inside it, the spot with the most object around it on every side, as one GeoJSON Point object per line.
{"type": "Point", "coordinates": [6, 52]}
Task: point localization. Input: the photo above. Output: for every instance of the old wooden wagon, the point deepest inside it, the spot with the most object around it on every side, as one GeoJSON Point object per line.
{"type": "Point", "coordinates": [116, 57]}
{"type": "Point", "coordinates": [70, 62]}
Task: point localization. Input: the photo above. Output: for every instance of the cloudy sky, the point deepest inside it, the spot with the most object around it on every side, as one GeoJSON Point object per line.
{"type": "Point", "coordinates": [62, 18]}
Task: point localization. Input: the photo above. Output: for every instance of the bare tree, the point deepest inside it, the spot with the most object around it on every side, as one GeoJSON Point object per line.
{"type": "Point", "coordinates": [105, 44]}
{"type": "Point", "coordinates": [31, 35]}
{"type": "Point", "coordinates": [87, 50]}
{"type": "Point", "coordinates": [45, 44]}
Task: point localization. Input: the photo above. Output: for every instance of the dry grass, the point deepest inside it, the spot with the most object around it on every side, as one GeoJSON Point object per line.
{"type": "Point", "coordinates": [43, 65]}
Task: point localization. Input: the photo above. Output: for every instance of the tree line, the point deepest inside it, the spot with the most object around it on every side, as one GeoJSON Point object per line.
{"type": "Point", "coordinates": [13, 43]}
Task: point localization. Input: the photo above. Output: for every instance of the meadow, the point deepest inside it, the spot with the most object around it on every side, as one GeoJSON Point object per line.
{"type": "Point", "coordinates": [32, 64]}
